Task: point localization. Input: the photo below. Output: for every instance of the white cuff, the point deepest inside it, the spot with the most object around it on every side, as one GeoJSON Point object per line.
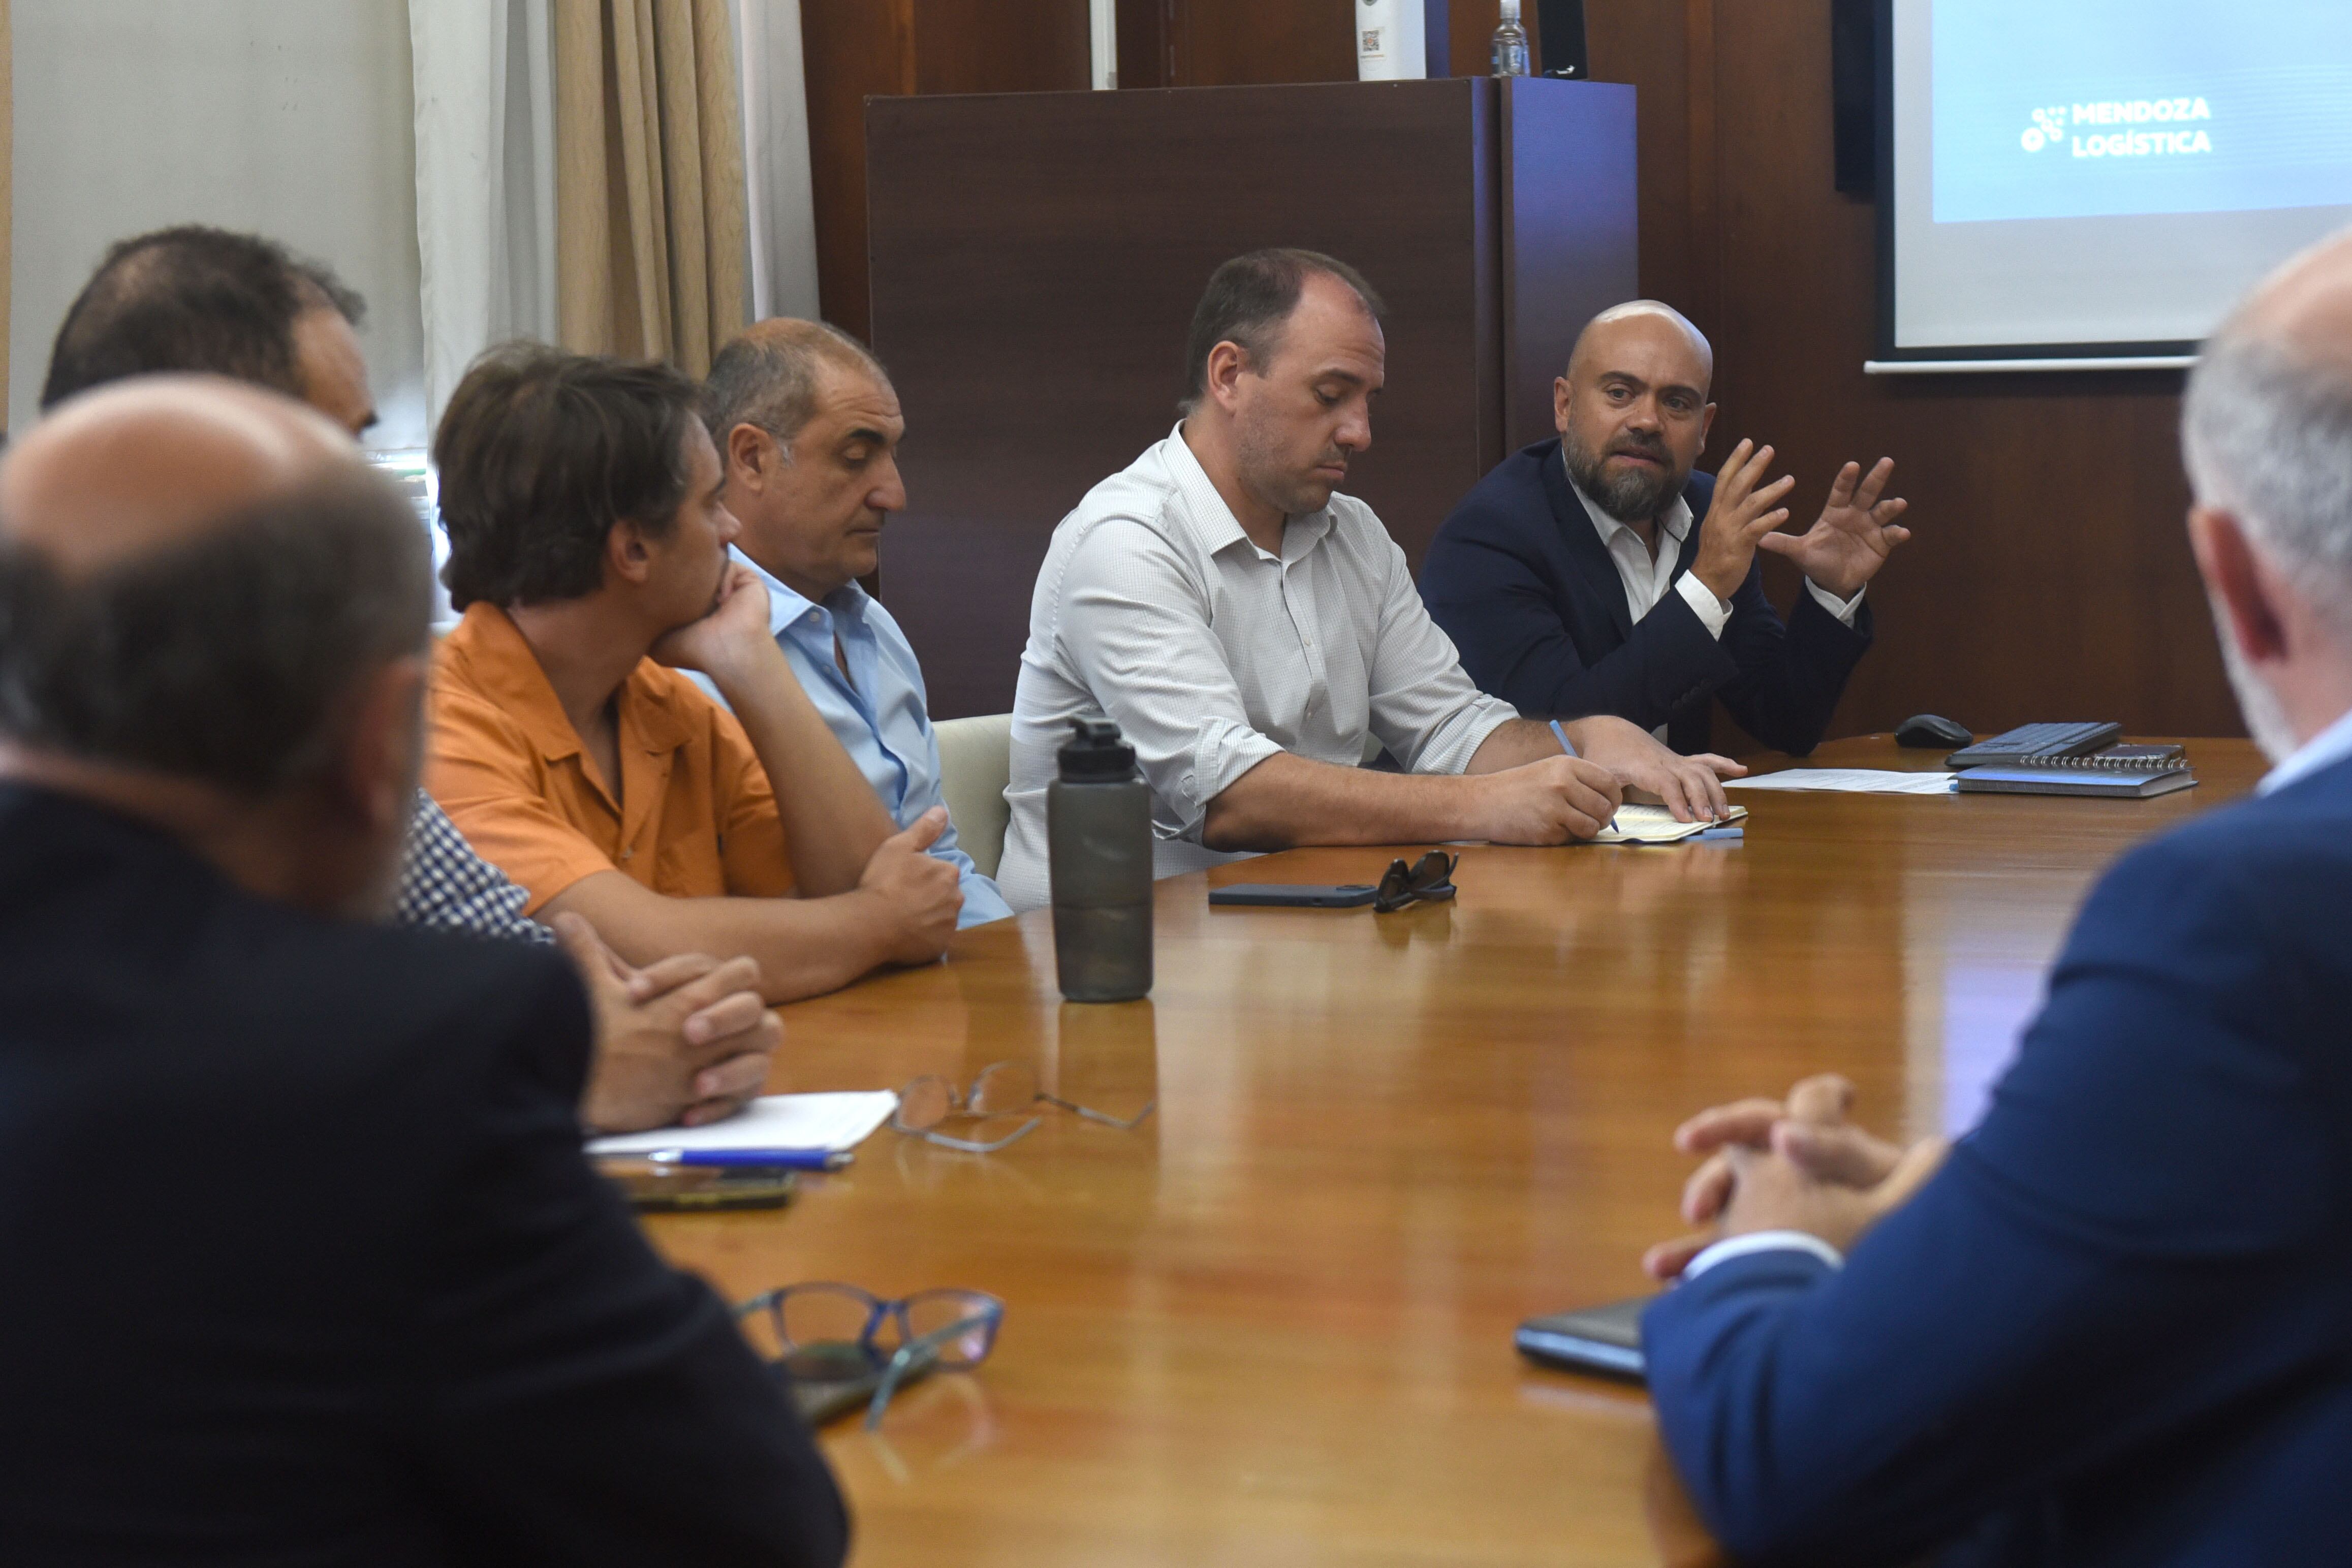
{"type": "Point", "coordinates": [1764, 1241]}
{"type": "Point", "coordinates": [1713, 612]}
{"type": "Point", "coordinates": [1843, 609]}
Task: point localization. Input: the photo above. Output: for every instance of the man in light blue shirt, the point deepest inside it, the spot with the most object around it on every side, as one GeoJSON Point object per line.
{"type": "Point", "coordinates": [808, 426]}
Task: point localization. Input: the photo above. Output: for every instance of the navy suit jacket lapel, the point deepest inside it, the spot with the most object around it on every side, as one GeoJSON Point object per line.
{"type": "Point", "coordinates": [1595, 581]}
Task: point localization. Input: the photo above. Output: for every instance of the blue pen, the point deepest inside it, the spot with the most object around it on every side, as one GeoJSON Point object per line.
{"type": "Point", "coordinates": [1561, 736]}
{"type": "Point", "coordinates": [774, 1159]}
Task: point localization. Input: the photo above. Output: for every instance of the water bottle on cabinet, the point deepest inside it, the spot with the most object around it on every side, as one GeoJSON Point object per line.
{"type": "Point", "coordinates": [1510, 42]}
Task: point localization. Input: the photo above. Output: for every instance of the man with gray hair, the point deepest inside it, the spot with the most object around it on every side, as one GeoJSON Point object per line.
{"type": "Point", "coordinates": [318, 1259]}
{"type": "Point", "coordinates": [2113, 1324]}
{"type": "Point", "coordinates": [808, 427]}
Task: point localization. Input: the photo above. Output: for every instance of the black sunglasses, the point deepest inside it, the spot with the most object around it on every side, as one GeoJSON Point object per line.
{"type": "Point", "coordinates": [1431, 876]}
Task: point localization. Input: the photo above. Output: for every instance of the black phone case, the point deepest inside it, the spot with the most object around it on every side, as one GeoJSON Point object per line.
{"type": "Point", "coordinates": [1604, 1340]}
{"type": "Point", "coordinates": [1295, 895]}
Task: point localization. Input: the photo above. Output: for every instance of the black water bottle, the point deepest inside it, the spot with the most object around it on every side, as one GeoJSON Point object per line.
{"type": "Point", "coordinates": [1098, 848]}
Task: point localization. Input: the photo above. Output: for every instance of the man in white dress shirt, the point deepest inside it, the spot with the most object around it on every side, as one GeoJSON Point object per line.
{"type": "Point", "coordinates": [1247, 629]}
{"type": "Point", "coordinates": [808, 427]}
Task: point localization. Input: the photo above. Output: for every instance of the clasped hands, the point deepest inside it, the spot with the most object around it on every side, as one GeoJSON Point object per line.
{"type": "Point", "coordinates": [1794, 1165]}
{"type": "Point", "coordinates": [1844, 548]}
{"type": "Point", "coordinates": [686, 1040]}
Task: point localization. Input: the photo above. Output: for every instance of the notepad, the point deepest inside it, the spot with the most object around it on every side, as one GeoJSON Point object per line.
{"type": "Point", "coordinates": [1854, 781]}
{"type": "Point", "coordinates": [1656, 825]}
{"type": "Point", "coordinates": [834, 1121]}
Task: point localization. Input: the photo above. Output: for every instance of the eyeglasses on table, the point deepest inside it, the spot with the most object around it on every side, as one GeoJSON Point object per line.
{"type": "Point", "coordinates": [1431, 877]}
{"type": "Point", "coordinates": [1003, 1088]}
{"type": "Point", "coordinates": [833, 1340]}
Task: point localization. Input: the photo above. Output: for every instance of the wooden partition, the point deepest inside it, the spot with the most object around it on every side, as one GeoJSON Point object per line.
{"type": "Point", "coordinates": [1037, 259]}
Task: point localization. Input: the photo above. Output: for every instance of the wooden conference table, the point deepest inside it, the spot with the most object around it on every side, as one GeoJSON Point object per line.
{"type": "Point", "coordinates": [1273, 1324]}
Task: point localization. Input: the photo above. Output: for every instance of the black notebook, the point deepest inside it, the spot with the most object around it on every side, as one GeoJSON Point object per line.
{"type": "Point", "coordinates": [2065, 778]}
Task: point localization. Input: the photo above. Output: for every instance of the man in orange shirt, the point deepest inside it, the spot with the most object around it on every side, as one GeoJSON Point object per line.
{"type": "Point", "coordinates": [588, 551]}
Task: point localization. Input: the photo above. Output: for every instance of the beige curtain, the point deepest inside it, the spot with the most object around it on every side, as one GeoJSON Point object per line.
{"type": "Point", "coordinates": [649, 193]}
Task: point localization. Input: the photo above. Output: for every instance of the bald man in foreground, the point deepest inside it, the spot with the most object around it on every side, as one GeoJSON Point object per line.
{"type": "Point", "coordinates": [2113, 1327]}
{"type": "Point", "coordinates": [1599, 573]}
{"type": "Point", "coordinates": [310, 1268]}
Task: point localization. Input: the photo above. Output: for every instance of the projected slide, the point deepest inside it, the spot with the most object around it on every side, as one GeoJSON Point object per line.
{"type": "Point", "coordinates": [2087, 181]}
{"type": "Point", "coordinates": [2062, 109]}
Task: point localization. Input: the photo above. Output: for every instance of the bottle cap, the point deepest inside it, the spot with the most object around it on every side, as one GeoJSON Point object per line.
{"type": "Point", "coordinates": [1096, 753]}
{"type": "Point", "coordinates": [1510, 10]}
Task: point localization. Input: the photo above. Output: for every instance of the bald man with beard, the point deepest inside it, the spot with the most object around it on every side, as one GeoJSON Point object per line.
{"type": "Point", "coordinates": [310, 1266]}
{"type": "Point", "coordinates": [1599, 573]}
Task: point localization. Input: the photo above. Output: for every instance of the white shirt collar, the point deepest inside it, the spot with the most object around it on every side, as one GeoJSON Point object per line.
{"type": "Point", "coordinates": [1213, 521]}
{"type": "Point", "coordinates": [2332, 744]}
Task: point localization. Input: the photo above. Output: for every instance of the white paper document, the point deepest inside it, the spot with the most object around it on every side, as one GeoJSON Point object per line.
{"type": "Point", "coordinates": [1854, 781]}
{"type": "Point", "coordinates": [834, 1121]}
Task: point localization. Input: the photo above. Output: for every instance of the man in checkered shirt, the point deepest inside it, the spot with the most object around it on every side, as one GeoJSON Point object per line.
{"type": "Point", "coordinates": [687, 1039]}
{"type": "Point", "coordinates": [444, 886]}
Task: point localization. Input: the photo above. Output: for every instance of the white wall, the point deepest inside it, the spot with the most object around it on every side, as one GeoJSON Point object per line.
{"type": "Point", "coordinates": [292, 117]}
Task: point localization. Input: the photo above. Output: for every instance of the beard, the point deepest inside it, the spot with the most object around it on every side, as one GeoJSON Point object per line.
{"type": "Point", "coordinates": [1634, 497]}
{"type": "Point", "coordinates": [2266, 716]}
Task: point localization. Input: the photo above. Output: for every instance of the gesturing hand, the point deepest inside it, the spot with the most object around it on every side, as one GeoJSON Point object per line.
{"type": "Point", "coordinates": [1854, 534]}
{"type": "Point", "coordinates": [736, 626]}
{"type": "Point", "coordinates": [1796, 1164]}
{"type": "Point", "coordinates": [688, 1039]}
{"type": "Point", "coordinates": [1740, 515]}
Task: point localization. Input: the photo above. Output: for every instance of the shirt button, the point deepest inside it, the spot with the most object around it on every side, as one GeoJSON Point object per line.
{"type": "Point", "coordinates": [626, 854]}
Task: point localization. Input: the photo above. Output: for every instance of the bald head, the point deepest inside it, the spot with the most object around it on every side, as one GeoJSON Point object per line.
{"type": "Point", "coordinates": [2267, 422]}
{"type": "Point", "coordinates": [1632, 410]}
{"type": "Point", "coordinates": [1648, 327]}
{"type": "Point", "coordinates": [2266, 430]}
{"type": "Point", "coordinates": [2304, 307]}
{"type": "Point", "coordinates": [157, 462]}
{"type": "Point", "coordinates": [195, 578]}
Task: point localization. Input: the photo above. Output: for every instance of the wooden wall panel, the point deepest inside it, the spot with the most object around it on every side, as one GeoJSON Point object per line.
{"type": "Point", "coordinates": [1225, 43]}
{"type": "Point", "coordinates": [1569, 233]}
{"type": "Point", "coordinates": [1002, 45]}
{"type": "Point", "coordinates": [854, 49]}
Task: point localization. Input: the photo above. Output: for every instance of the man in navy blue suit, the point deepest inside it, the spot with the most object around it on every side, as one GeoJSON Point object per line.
{"type": "Point", "coordinates": [1597, 573]}
{"type": "Point", "coordinates": [2113, 1324]}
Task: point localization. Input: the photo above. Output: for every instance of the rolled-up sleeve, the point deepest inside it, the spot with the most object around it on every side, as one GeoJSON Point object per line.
{"type": "Point", "coordinates": [1424, 707]}
{"type": "Point", "coordinates": [1136, 620]}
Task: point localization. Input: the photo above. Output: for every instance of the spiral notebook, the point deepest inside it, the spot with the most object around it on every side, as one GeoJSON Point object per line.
{"type": "Point", "coordinates": [2128, 759]}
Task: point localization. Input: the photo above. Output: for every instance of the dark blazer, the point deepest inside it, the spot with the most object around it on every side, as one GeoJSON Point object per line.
{"type": "Point", "coordinates": [1518, 577]}
{"type": "Point", "coordinates": [304, 1265]}
{"type": "Point", "coordinates": [2116, 1327]}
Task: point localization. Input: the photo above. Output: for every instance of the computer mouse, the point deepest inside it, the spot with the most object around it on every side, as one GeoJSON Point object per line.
{"type": "Point", "coordinates": [1929, 729]}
